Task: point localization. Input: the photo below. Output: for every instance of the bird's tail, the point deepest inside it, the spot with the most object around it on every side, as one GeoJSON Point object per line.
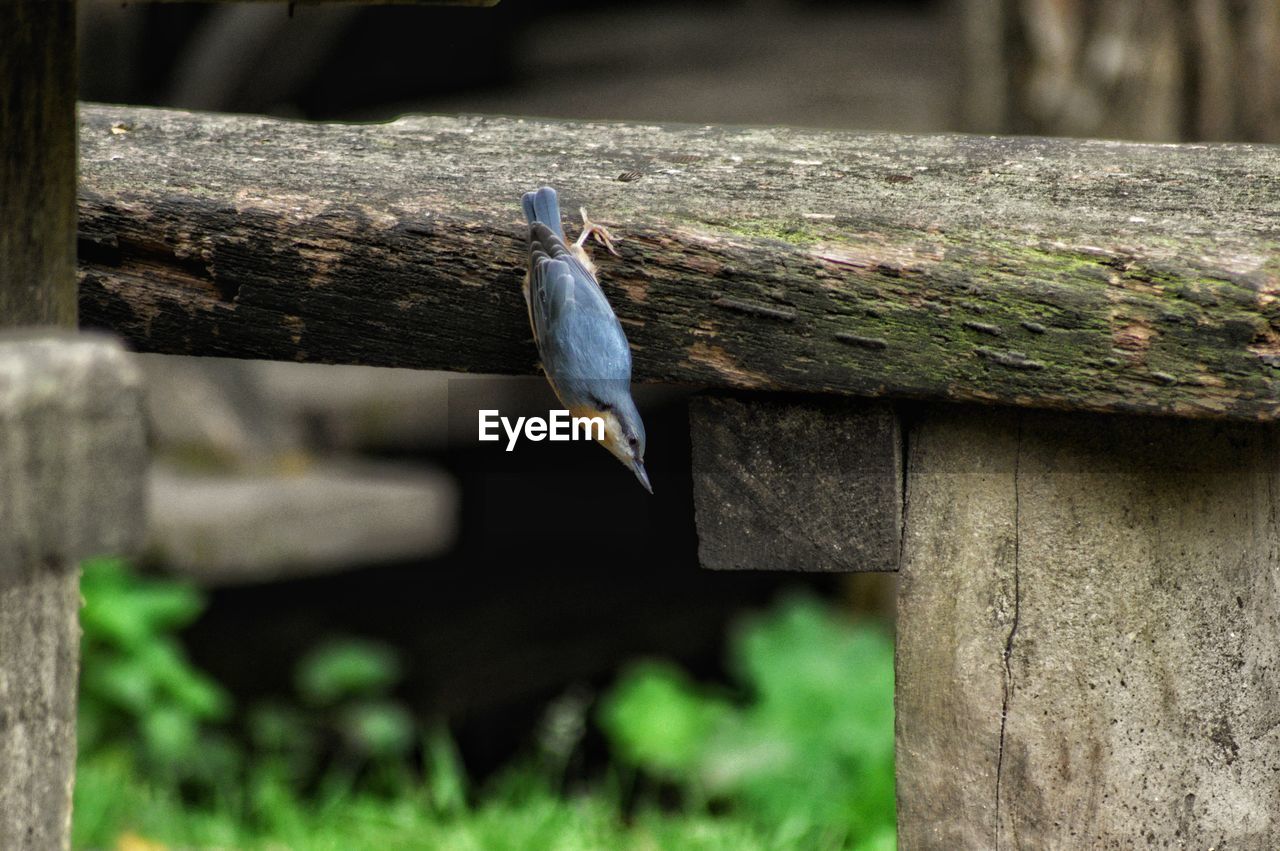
{"type": "Point", "coordinates": [543, 206]}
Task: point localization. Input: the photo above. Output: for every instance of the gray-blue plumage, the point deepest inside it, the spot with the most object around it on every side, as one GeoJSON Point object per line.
{"type": "Point", "coordinates": [579, 336]}
{"type": "Point", "coordinates": [584, 350]}
{"type": "Point", "coordinates": [543, 206]}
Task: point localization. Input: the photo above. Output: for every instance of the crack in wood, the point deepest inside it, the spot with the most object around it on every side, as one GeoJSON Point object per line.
{"type": "Point", "coordinates": [1013, 630]}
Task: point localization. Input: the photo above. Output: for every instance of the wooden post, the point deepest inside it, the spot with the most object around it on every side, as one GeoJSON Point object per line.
{"type": "Point", "coordinates": [1089, 634]}
{"type": "Point", "coordinates": [72, 452]}
{"type": "Point", "coordinates": [37, 163]}
{"type": "Point", "coordinates": [72, 458]}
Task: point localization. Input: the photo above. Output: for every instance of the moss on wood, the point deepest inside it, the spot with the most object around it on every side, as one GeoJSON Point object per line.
{"type": "Point", "coordinates": [1049, 273]}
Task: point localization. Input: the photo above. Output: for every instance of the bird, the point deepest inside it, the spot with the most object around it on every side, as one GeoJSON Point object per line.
{"type": "Point", "coordinates": [584, 351]}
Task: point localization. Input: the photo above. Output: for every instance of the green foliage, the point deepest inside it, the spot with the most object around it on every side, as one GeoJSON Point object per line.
{"type": "Point", "coordinates": [808, 756]}
{"type": "Point", "coordinates": [800, 758]}
{"type": "Point", "coordinates": [660, 720]}
{"type": "Point", "coordinates": [349, 668]}
{"type": "Point", "coordinates": [136, 680]}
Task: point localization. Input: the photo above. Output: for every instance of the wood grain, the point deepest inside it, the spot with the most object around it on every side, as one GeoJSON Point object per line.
{"type": "Point", "coordinates": [1035, 272]}
{"type": "Point", "coordinates": [1088, 633]}
{"type": "Point", "coordinates": [796, 484]}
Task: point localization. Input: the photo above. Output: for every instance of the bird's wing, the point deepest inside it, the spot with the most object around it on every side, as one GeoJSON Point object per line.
{"type": "Point", "coordinates": [578, 335]}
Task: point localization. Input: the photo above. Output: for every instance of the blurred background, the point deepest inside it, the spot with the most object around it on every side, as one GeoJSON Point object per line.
{"type": "Point", "coordinates": [341, 580]}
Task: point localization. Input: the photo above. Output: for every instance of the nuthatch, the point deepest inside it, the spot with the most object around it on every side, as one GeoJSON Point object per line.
{"type": "Point", "coordinates": [584, 350]}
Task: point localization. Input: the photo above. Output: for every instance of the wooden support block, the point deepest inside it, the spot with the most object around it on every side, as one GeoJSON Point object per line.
{"type": "Point", "coordinates": [72, 464]}
{"type": "Point", "coordinates": [782, 484]}
{"type": "Point", "coordinates": [1089, 634]}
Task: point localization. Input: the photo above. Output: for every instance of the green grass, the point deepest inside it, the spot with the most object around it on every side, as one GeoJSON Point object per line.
{"type": "Point", "coordinates": [796, 754]}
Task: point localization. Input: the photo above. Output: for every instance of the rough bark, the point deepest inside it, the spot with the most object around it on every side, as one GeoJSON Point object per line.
{"type": "Point", "coordinates": [785, 484]}
{"type": "Point", "coordinates": [1078, 275]}
{"type": "Point", "coordinates": [1089, 634]}
{"type": "Point", "coordinates": [72, 462]}
{"type": "Point", "coordinates": [1160, 70]}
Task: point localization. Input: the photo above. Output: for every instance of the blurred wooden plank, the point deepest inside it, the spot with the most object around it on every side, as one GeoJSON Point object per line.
{"type": "Point", "coordinates": [796, 485]}
{"type": "Point", "coordinates": [1157, 70]}
{"type": "Point", "coordinates": [227, 529]}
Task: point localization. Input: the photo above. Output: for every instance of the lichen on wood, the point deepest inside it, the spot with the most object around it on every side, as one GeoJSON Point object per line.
{"type": "Point", "coordinates": [1052, 273]}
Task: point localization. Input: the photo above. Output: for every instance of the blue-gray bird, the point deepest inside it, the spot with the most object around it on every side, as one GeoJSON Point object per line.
{"type": "Point", "coordinates": [584, 350]}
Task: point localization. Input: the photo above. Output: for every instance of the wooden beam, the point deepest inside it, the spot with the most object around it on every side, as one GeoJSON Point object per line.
{"type": "Point", "coordinates": [1035, 272]}
{"type": "Point", "coordinates": [788, 484]}
{"type": "Point", "coordinates": [1088, 634]}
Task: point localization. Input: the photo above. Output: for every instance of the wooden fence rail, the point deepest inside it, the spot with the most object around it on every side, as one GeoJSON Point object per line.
{"type": "Point", "coordinates": [1068, 274]}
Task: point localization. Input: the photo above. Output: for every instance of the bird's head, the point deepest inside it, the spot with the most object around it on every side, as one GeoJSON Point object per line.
{"type": "Point", "coordinates": [623, 433]}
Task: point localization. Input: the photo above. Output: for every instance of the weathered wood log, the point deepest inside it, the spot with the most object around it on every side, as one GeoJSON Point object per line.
{"type": "Point", "coordinates": [1160, 70]}
{"type": "Point", "coordinates": [784, 484]}
{"type": "Point", "coordinates": [1051, 273]}
{"type": "Point", "coordinates": [1089, 634]}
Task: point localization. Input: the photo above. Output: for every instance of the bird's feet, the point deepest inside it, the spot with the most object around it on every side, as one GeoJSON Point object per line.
{"type": "Point", "coordinates": [594, 231]}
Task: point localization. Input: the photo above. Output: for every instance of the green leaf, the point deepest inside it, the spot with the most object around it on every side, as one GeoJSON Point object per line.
{"type": "Point", "coordinates": [171, 735]}
{"type": "Point", "coordinates": [347, 668]}
{"type": "Point", "coordinates": [378, 729]}
{"type": "Point", "coordinates": [659, 720]}
{"type": "Point", "coordinates": [445, 777]}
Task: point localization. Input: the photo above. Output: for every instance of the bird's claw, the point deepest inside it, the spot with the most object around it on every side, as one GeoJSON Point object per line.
{"type": "Point", "coordinates": [597, 232]}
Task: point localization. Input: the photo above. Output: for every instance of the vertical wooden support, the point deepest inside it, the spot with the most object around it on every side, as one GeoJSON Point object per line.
{"type": "Point", "coordinates": [72, 463]}
{"type": "Point", "coordinates": [1089, 634]}
{"type": "Point", "coordinates": [71, 449]}
{"type": "Point", "coordinates": [37, 163]}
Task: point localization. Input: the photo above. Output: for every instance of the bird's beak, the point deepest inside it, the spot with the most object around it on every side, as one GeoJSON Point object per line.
{"type": "Point", "coordinates": [637, 467]}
